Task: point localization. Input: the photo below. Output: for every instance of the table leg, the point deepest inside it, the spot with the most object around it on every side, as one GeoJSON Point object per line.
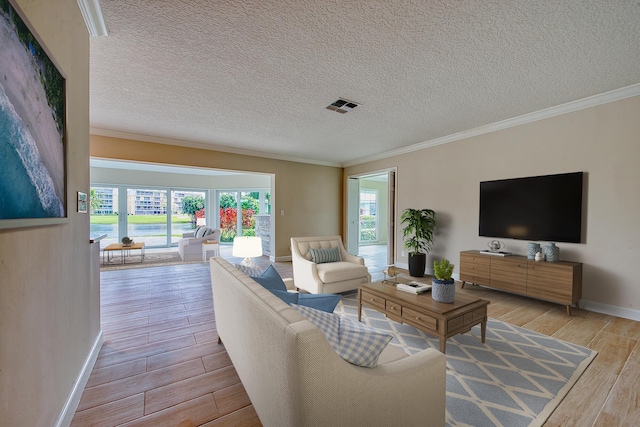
{"type": "Point", "coordinates": [359, 305]}
{"type": "Point", "coordinates": [443, 345]}
{"type": "Point", "coordinates": [483, 329]}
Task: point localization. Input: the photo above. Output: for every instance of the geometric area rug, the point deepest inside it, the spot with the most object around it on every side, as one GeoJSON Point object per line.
{"type": "Point", "coordinates": [516, 378]}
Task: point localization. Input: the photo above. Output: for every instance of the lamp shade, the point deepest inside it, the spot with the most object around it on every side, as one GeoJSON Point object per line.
{"type": "Point", "coordinates": [247, 247]}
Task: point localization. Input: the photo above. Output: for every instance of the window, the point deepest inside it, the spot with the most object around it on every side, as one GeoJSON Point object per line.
{"type": "Point", "coordinates": [368, 216]}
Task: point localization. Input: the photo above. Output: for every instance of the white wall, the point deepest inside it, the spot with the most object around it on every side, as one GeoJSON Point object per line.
{"type": "Point", "coordinates": [49, 310]}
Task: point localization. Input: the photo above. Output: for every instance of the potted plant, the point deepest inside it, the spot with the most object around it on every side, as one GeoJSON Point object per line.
{"type": "Point", "coordinates": [443, 287]}
{"type": "Point", "coordinates": [418, 226]}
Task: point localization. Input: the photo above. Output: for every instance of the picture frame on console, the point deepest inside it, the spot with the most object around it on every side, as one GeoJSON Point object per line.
{"type": "Point", "coordinates": [33, 179]}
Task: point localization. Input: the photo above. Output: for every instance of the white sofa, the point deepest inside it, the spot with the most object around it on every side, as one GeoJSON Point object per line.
{"type": "Point", "coordinates": [190, 246]}
{"type": "Point", "coordinates": [294, 377]}
{"type": "Point", "coordinates": [327, 278]}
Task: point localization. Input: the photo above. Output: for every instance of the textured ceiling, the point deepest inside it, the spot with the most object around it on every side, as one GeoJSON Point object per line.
{"type": "Point", "coordinates": [256, 75]}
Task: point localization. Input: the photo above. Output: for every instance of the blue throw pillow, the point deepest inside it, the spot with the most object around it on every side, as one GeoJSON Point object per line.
{"type": "Point", "coordinates": [324, 302]}
{"type": "Point", "coordinates": [271, 280]}
{"type": "Point", "coordinates": [288, 297]}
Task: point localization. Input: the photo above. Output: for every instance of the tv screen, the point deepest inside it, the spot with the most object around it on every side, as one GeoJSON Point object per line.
{"type": "Point", "coordinates": [547, 208]}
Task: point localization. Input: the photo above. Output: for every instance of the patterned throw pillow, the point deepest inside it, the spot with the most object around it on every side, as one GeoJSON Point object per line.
{"type": "Point", "coordinates": [200, 232]}
{"type": "Point", "coordinates": [361, 344]}
{"type": "Point", "coordinates": [249, 271]}
{"type": "Point", "coordinates": [328, 323]}
{"type": "Point", "coordinates": [320, 256]}
{"type": "Point", "coordinates": [355, 342]}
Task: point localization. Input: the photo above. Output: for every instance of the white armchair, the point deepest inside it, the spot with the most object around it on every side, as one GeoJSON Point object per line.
{"type": "Point", "coordinates": [190, 246]}
{"type": "Point", "coordinates": [328, 277]}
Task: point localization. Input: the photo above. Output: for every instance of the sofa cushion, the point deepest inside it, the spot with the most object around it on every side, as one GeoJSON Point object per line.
{"type": "Point", "coordinates": [340, 271]}
{"type": "Point", "coordinates": [271, 280]}
{"type": "Point", "coordinates": [321, 256]}
{"type": "Point", "coordinates": [323, 302]}
{"type": "Point", "coordinates": [356, 342]}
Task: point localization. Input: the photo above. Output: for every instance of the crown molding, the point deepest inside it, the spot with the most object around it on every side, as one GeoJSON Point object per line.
{"type": "Point", "coordinates": [92, 14]}
{"type": "Point", "coordinates": [204, 146]}
{"type": "Point", "coordinates": [569, 107]}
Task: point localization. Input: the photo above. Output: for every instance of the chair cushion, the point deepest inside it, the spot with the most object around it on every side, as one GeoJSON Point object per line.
{"type": "Point", "coordinates": [320, 256]}
{"type": "Point", "coordinates": [271, 280]}
{"type": "Point", "coordinates": [340, 271]}
{"type": "Point", "coordinates": [355, 342]}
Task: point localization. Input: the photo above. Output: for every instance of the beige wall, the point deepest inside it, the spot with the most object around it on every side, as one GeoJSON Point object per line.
{"type": "Point", "coordinates": [603, 141]}
{"type": "Point", "coordinates": [309, 195]}
{"type": "Point", "coordinates": [49, 315]}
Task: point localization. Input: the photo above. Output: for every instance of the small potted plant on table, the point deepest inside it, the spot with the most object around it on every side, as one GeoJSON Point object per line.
{"type": "Point", "coordinates": [443, 287]}
{"type": "Point", "coordinates": [418, 225]}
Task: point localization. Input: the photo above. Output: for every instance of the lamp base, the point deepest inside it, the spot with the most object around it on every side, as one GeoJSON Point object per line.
{"type": "Point", "coordinates": [248, 262]}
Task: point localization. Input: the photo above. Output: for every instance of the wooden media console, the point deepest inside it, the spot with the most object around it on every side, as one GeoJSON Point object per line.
{"type": "Point", "coordinates": [559, 282]}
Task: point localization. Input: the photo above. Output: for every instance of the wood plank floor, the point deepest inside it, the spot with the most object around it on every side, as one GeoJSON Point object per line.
{"type": "Point", "coordinates": [161, 364]}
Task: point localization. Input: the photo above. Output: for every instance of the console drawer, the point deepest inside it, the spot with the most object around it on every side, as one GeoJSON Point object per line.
{"type": "Point", "coordinates": [394, 308]}
{"type": "Point", "coordinates": [372, 300]}
{"type": "Point", "coordinates": [421, 319]}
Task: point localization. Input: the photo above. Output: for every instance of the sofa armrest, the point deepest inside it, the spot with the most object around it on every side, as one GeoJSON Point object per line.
{"type": "Point", "coordinates": [410, 391]}
{"type": "Point", "coordinates": [189, 234]}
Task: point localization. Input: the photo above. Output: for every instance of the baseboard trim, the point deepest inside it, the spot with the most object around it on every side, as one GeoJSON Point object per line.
{"type": "Point", "coordinates": [66, 416]}
{"type": "Point", "coordinates": [612, 310]}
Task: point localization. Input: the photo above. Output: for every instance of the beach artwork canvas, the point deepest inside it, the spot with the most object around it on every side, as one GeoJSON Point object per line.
{"type": "Point", "coordinates": [32, 126]}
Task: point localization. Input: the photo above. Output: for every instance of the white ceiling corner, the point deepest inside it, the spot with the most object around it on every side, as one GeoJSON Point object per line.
{"type": "Point", "coordinates": [255, 77]}
{"type": "Point", "coordinates": [93, 18]}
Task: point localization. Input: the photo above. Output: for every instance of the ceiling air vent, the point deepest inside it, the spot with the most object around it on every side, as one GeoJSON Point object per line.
{"type": "Point", "coordinates": [342, 106]}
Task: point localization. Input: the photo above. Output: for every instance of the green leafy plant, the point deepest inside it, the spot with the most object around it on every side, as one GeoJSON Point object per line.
{"type": "Point", "coordinates": [442, 270]}
{"type": "Point", "coordinates": [191, 205]}
{"type": "Point", "coordinates": [418, 226]}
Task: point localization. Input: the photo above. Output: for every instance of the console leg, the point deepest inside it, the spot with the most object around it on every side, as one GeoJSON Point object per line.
{"type": "Point", "coordinates": [462, 287]}
{"type": "Point", "coordinates": [568, 309]}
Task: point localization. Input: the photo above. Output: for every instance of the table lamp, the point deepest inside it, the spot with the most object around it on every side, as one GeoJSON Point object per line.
{"type": "Point", "coordinates": [247, 247]}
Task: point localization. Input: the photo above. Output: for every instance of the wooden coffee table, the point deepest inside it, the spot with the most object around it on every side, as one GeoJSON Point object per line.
{"type": "Point", "coordinates": [124, 252]}
{"type": "Point", "coordinates": [422, 312]}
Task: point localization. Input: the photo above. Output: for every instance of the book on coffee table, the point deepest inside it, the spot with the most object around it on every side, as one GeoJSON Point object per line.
{"type": "Point", "coordinates": [413, 287]}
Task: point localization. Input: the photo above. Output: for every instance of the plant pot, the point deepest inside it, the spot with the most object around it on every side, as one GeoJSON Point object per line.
{"type": "Point", "coordinates": [417, 264]}
{"type": "Point", "coordinates": [443, 290]}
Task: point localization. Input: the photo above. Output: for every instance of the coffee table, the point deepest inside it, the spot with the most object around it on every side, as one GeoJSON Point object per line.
{"type": "Point", "coordinates": [422, 312]}
{"type": "Point", "coordinates": [124, 251]}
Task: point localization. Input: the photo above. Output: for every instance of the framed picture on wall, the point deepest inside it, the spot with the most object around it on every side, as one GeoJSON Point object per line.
{"type": "Point", "coordinates": [33, 176]}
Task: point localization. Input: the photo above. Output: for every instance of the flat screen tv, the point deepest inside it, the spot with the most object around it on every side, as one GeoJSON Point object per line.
{"type": "Point", "coordinates": [546, 208]}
